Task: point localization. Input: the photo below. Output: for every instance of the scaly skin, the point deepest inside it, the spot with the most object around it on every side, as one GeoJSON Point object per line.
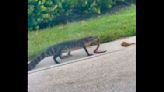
{"type": "Point", "coordinates": [57, 50]}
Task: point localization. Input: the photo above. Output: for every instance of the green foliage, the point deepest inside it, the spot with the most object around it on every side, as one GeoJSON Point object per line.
{"type": "Point", "coordinates": [108, 27]}
{"type": "Point", "coordinates": [44, 11]}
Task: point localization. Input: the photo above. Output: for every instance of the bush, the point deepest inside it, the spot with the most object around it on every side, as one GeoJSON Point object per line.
{"type": "Point", "coordinates": [42, 12]}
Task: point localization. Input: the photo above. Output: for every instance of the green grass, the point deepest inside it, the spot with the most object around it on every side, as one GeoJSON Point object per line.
{"type": "Point", "coordinates": [108, 27]}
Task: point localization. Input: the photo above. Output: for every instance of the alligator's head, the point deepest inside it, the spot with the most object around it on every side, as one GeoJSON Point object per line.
{"type": "Point", "coordinates": [89, 39]}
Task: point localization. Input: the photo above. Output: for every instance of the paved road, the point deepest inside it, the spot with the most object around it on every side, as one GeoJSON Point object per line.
{"type": "Point", "coordinates": [113, 71]}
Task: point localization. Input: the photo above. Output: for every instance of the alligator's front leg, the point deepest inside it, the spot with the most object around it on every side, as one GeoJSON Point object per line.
{"type": "Point", "coordinates": [89, 54]}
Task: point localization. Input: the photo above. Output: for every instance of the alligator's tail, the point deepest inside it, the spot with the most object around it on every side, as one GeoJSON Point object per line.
{"type": "Point", "coordinates": [35, 61]}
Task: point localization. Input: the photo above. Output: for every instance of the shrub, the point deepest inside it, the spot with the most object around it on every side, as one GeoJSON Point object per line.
{"type": "Point", "coordinates": [41, 13]}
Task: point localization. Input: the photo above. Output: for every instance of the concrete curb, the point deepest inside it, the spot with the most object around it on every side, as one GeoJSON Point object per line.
{"type": "Point", "coordinates": [71, 61]}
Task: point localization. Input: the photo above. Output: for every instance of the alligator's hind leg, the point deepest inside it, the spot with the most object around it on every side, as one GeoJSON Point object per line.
{"type": "Point", "coordinates": [69, 53]}
{"type": "Point", "coordinates": [54, 58]}
{"type": "Point", "coordinates": [89, 54]}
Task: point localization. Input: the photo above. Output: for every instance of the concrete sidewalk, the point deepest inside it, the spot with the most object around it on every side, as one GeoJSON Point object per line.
{"type": "Point", "coordinates": [113, 71]}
